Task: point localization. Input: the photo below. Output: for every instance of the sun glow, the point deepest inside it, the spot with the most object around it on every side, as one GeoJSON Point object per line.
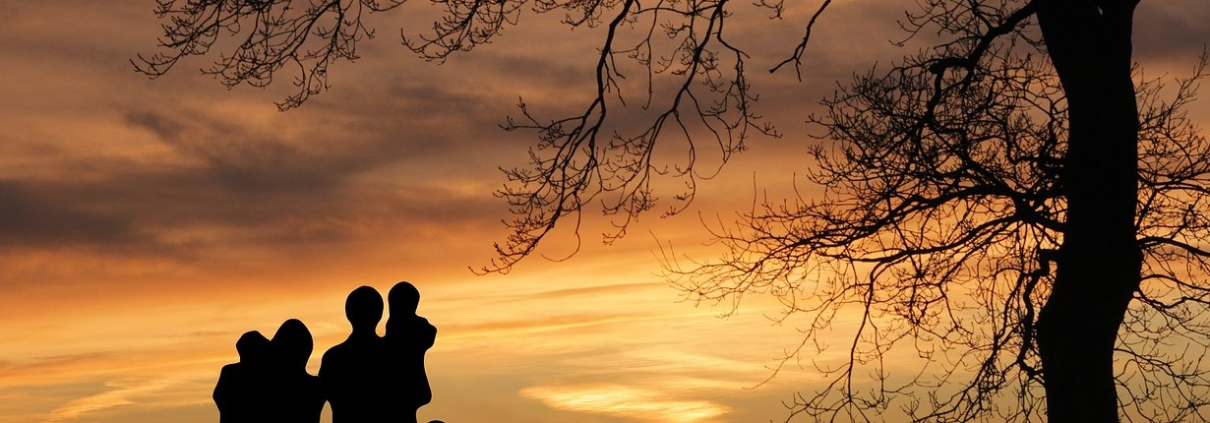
{"type": "Point", "coordinates": [627, 402]}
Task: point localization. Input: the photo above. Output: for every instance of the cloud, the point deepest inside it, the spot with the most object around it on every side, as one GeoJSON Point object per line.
{"type": "Point", "coordinates": [121, 393]}
{"type": "Point", "coordinates": [182, 209]}
{"type": "Point", "coordinates": [254, 161]}
{"type": "Point", "coordinates": [626, 402]}
{"type": "Point", "coordinates": [32, 403]}
{"type": "Point", "coordinates": [46, 368]}
{"type": "Point", "coordinates": [578, 324]}
{"type": "Point", "coordinates": [231, 181]}
{"type": "Point", "coordinates": [596, 290]}
{"type": "Point", "coordinates": [1171, 30]}
{"type": "Point", "coordinates": [31, 216]}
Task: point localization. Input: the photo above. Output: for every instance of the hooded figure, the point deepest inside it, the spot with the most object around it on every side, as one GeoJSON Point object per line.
{"type": "Point", "coordinates": [240, 393]}
{"type": "Point", "coordinates": [296, 396]}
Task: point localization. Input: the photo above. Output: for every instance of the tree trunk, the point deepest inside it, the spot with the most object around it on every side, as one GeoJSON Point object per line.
{"type": "Point", "coordinates": [1099, 262]}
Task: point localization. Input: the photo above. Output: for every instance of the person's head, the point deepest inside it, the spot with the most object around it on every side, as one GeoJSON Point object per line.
{"type": "Point", "coordinates": [404, 298]}
{"type": "Point", "coordinates": [293, 344]}
{"type": "Point", "coordinates": [364, 308]}
{"type": "Point", "coordinates": [252, 347]}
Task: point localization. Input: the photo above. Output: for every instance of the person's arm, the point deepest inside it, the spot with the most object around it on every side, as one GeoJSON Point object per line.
{"type": "Point", "coordinates": [328, 375]}
{"type": "Point", "coordinates": [222, 389]}
{"type": "Point", "coordinates": [429, 333]}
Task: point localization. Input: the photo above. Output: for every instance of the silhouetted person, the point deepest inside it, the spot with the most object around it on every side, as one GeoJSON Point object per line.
{"type": "Point", "coordinates": [240, 391]}
{"type": "Point", "coordinates": [295, 395]}
{"type": "Point", "coordinates": [352, 371]}
{"type": "Point", "coordinates": [408, 337]}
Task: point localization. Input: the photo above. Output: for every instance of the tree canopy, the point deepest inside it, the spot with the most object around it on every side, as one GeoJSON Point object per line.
{"type": "Point", "coordinates": [940, 225]}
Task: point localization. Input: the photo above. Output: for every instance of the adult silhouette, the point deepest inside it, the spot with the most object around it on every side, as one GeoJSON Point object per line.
{"type": "Point", "coordinates": [351, 371]}
{"type": "Point", "coordinates": [408, 337]}
{"type": "Point", "coordinates": [295, 395]}
{"type": "Point", "coordinates": [240, 391]}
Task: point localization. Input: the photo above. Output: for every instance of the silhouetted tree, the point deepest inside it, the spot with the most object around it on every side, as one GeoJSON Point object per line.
{"type": "Point", "coordinates": [955, 180]}
{"type": "Point", "coordinates": [941, 220]}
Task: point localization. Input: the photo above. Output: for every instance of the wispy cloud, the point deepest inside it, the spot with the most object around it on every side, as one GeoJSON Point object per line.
{"type": "Point", "coordinates": [627, 402]}
{"type": "Point", "coordinates": [120, 393]}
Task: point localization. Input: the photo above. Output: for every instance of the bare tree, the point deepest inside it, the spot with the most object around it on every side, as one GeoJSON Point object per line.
{"type": "Point", "coordinates": [956, 179]}
{"type": "Point", "coordinates": [940, 222]}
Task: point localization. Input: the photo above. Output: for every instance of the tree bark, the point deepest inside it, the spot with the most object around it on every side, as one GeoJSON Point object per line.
{"type": "Point", "coordinates": [1099, 262]}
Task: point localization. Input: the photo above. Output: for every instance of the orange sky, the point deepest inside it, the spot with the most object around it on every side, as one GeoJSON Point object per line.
{"type": "Point", "coordinates": [145, 225]}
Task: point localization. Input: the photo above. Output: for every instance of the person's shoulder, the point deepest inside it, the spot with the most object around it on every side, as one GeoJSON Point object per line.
{"type": "Point", "coordinates": [332, 361]}
{"type": "Point", "coordinates": [312, 381]}
{"type": "Point", "coordinates": [419, 321]}
{"type": "Point", "coordinates": [336, 352]}
{"type": "Point", "coordinates": [231, 368]}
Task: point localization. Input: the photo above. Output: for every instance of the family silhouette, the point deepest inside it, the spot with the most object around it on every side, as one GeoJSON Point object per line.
{"type": "Point", "coordinates": [365, 379]}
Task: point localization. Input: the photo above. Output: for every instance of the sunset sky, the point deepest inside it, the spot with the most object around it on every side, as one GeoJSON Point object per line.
{"type": "Point", "coordinates": [146, 224]}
